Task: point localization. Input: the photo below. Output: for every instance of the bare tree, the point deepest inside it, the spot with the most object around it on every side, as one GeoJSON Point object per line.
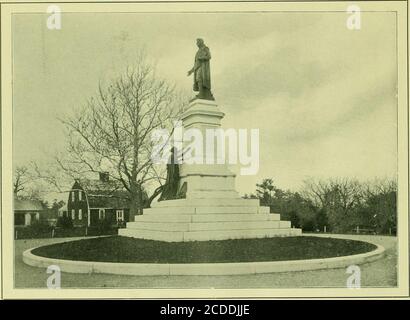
{"type": "Point", "coordinates": [26, 183]}
{"type": "Point", "coordinates": [21, 179]}
{"type": "Point", "coordinates": [316, 191]}
{"type": "Point", "coordinates": [381, 204]}
{"type": "Point", "coordinates": [112, 132]}
{"type": "Point", "coordinates": [53, 177]}
{"type": "Point", "coordinates": [339, 198]}
{"type": "Point", "coordinates": [343, 193]}
{"type": "Point", "coordinates": [380, 186]}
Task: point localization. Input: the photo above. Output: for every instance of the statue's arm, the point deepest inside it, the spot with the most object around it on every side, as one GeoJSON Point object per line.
{"type": "Point", "coordinates": [204, 54]}
{"type": "Point", "coordinates": [191, 71]}
{"type": "Point", "coordinates": [196, 66]}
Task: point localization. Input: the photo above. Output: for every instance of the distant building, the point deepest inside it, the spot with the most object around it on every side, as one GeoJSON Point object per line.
{"type": "Point", "coordinates": [62, 212]}
{"type": "Point", "coordinates": [103, 199]}
{"type": "Point", "coordinates": [26, 212]}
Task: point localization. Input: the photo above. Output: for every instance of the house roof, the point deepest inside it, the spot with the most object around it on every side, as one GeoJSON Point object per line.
{"type": "Point", "coordinates": [104, 194]}
{"type": "Point", "coordinates": [99, 186]}
{"type": "Point", "coordinates": [109, 201]}
{"type": "Point", "coordinates": [27, 205]}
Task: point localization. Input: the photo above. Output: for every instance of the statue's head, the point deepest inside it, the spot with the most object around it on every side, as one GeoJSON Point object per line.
{"type": "Point", "coordinates": [200, 42]}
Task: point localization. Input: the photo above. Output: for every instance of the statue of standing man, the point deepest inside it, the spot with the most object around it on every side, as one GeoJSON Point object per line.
{"type": "Point", "coordinates": [202, 71]}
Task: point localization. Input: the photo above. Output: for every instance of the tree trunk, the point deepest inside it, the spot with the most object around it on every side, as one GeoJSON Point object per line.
{"type": "Point", "coordinates": [140, 200]}
{"type": "Point", "coordinates": [148, 201]}
{"type": "Point", "coordinates": [135, 204]}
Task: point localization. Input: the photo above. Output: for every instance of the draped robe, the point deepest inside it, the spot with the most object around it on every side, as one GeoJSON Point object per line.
{"type": "Point", "coordinates": [202, 69]}
{"type": "Point", "coordinates": [171, 185]}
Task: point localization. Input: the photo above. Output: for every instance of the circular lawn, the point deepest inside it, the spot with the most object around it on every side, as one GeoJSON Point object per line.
{"type": "Point", "coordinates": [131, 250]}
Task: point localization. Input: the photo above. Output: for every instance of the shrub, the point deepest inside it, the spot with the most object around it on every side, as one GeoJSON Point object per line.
{"type": "Point", "coordinates": [64, 222]}
{"type": "Point", "coordinates": [40, 227]}
{"type": "Point", "coordinates": [103, 226]}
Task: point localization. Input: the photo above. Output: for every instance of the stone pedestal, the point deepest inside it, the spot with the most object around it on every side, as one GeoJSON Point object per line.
{"type": "Point", "coordinates": [206, 180]}
{"type": "Point", "coordinates": [213, 209]}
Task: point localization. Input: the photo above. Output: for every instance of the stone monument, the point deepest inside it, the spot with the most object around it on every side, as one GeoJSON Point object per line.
{"type": "Point", "coordinates": [212, 209]}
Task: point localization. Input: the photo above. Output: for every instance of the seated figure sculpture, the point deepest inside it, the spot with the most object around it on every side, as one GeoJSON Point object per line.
{"type": "Point", "coordinates": [171, 186]}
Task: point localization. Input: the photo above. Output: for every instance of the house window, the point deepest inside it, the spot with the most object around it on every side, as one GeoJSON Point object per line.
{"type": "Point", "coordinates": [101, 214]}
{"type": "Point", "coordinates": [79, 195]}
{"type": "Point", "coordinates": [27, 219]}
{"type": "Point", "coordinates": [73, 196]}
{"type": "Point", "coordinates": [73, 214]}
{"type": "Point", "coordinates": [120, 215]}
{"type": "Point", "coordinates": [80, 214]}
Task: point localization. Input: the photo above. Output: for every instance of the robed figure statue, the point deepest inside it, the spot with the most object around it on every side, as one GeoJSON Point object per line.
{"type": "Point", "coordinates": [170, 189]}
{"type": "Point", "coordinates": [202, 71]}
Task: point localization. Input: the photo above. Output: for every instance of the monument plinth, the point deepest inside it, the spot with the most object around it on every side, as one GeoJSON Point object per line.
{"type": "Point", "coordinates": [210, 178]}
{"type": "Point", "coordinates": [212, 209]}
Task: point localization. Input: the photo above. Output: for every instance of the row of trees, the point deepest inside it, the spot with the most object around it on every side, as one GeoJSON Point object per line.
{"type": "Point", "coordinates": [340, 205]}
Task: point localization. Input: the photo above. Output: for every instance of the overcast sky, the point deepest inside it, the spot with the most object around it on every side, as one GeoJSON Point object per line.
{"type": "Point", "coordinates": [322, 96]}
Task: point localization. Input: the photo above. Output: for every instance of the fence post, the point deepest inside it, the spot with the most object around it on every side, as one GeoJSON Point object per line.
{"type": "Point", "coordinates": [357, 229]}
{"type": "Point", "coordinates": [324, 229]}
{"type": "Point", "coordinates": [52, 233]}
{"type": "Point", "coordinates": [16, 234]}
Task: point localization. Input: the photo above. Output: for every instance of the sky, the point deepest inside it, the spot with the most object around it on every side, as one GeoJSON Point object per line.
{"type": "Point", "coordinates": [323, 97]}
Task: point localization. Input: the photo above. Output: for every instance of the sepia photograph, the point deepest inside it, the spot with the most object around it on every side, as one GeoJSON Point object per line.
{"type": "Point", "coordinates": [249, 149]}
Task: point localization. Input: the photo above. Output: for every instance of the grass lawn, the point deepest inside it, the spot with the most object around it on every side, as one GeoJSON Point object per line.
{"type": "Point", "coordinates": [124, 249]}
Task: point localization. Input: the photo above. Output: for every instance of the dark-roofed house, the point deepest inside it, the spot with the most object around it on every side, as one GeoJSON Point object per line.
{"type": "Point", "coordinates": [27, 211]}
{"type": "Point", "coordinates": [91, 201]}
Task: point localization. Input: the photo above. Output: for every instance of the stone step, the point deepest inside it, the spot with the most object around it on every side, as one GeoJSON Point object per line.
{"type": "Point", "coordinates": [218, 194]}
{"type": "Point", "coordinates": [164, 218]}
{"type": "Point", "coordinates": [239, 234]}
{"type": "Point", "coordinates": [177, 236]}
{"type": "Point", "coordinates": [159, 226]}
{"type": "Point", "coordinates": [169, 210]}
{"type": "Point", "coordinates": [152, 235]}
{"type": "Point", "coordinates": [205, 210]}
{"type": "Point", "coordinates": [207, 217]}
{"type": "Point", "coordinates": [206, 203]}
{"type": "Point", "coordinates": [202, 226]}
{"type": "Point", "coordinates": [217, 210]}
{"type": "Point", "coordinates": [235, 217]}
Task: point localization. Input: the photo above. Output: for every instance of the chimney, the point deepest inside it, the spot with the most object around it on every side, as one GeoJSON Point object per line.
{"type": "Point", "coordinates": [104, 176]}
